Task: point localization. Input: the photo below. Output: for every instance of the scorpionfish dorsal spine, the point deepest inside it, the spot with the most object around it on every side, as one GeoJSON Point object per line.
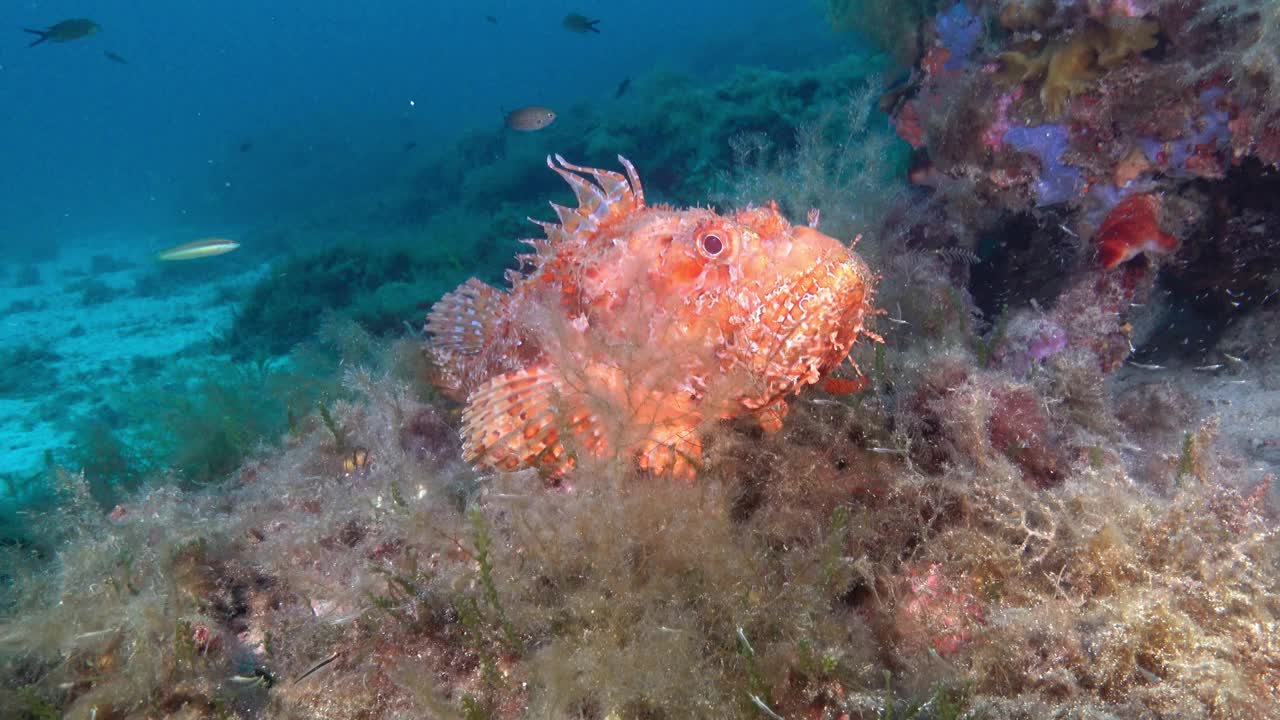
{"type": "Point", "coordinates": [634, 327]}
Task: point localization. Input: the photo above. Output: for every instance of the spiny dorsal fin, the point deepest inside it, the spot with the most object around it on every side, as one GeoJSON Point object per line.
{"type": "Point", "coordinates": [612, 194]}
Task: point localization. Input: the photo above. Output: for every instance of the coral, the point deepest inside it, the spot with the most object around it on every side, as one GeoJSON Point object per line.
{"type": "Point", "coordinates": [1132, 166]}
{"type": "Point", "coordinates": [1069, 70]}
{"type": "Point", "coordinates": [1026, 14]}
{"type": "Point", "coordinates": [1057, 182]}
{"type": "Point", "coordinates": [1245, 52]}
{"type": "Point", "coordinates": [1071, 66]}
{"type": "Point", "coordinates": [1198, 149]}
{"type": "Point", "coordinates": [959, 30]}
{"type": "Point", "coordinates": [1026, 342]}
{"type": "Point", "coordinates": [936, 611]}
{"type": "Point", "coordinates": [116, 624]}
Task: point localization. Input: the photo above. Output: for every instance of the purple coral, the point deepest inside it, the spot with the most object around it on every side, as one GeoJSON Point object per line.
{"type": "Point", "coordinates": [1049, 341]}
{"type": "Point", "coordinates": [1209, 130]}
{"type": "Point", "coordinates": [959, 28]}
{"type": "Point", "coordinates": [1057, 182]}
{"type": "Point", "coordinates": [1029, 342]}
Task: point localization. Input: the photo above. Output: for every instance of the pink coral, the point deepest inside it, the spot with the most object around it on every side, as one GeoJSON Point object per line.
{"type": "Point", "coordinates": [994, 136]}
{"type": "Point", "coordinates": [1019, 428]}
{"type": "Point", "coordinates": [936, 611]}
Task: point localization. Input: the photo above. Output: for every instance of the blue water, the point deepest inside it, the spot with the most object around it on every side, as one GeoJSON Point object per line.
{"type": "Point", "coordinates": [289, 127]}
{"type": "Point", "coordinates": [326, 93]}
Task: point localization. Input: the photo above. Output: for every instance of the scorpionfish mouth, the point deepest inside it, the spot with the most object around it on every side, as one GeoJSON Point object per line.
{"type": "Point", "coordinates": [810, 318]}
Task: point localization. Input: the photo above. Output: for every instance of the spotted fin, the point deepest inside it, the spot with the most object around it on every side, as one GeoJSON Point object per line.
{"type": "Point", "coordinates": [515, 421]}
{"type": "Point", "coordinates": [463, 320]}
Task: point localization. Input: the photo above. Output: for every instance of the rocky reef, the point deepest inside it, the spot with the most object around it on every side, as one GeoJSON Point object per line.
{"type": "Point", "coordinates": [1054, 496]}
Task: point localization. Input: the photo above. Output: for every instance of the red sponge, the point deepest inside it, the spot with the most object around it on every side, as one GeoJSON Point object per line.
{"type": "Point", "coordinates": [1133, 227]}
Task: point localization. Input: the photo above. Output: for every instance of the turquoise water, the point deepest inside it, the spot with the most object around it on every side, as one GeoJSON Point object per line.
{"type": "Point", "coordinates": [326, 93]}
{"type": "Point", "coordinates": [288, 130]}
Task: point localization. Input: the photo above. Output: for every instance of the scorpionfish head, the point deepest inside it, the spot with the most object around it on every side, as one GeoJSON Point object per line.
{"type": "Point", "coordinates": [782, 304]}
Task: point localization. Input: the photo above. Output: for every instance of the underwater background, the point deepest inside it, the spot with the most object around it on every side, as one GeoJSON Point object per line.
{"type": "Point", "coordinates": [239, 478]}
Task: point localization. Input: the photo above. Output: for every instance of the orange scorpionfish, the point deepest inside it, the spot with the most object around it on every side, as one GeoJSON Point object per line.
{"type": "Point", "coordinates": [637, 326]}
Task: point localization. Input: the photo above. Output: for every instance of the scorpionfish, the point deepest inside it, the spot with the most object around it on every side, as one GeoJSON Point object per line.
{"type": "Point", "coordinates": [633, 327]}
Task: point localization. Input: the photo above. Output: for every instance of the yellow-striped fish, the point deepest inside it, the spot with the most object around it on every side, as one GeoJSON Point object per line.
{"type": "Point", "coordinates": [205, 247]}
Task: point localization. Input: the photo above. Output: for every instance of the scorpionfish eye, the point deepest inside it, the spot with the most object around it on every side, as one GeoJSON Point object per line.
{"type": "Point", "coordinates": [711, 245]}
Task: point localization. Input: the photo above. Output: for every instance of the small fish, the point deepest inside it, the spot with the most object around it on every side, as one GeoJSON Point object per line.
{"type": "Point", "coordinates": [206, 247]}
{"type": "Point", "coordinates": [491, 19]}
{"type": "Point", "coordinates": [573, 22]}
{"type": "Point", "coordinates": [408, 147]}
{"type": "Point", "coordinates": [1208, 368]}
{"type": "Point", "coordinates": [316, 667]}
{"type": "Point", "coordinates": [115, 57]}
{"type": "Point", "coordinates": [1146, 366]}
{"type": "Point", "coordinates": [622, 87]}
{"type": "Point", "coordinates": [357, 460]}
{"type": "Point", "coordinates": [65, 31]}
{"type": "Point", "coordinates": [530, 118]}
{"type": "Point", "coordinates": [260, 678]}
{"type": "Point", "coordinates": [826, 401]}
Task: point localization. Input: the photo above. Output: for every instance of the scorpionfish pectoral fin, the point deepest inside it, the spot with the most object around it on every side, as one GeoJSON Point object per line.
{"type": "Point", "coordinates": [537, 418]}
{"type": "Point", "coordinates": [462, 320]}
{"type": "Point", "coordinates": [514, 421]}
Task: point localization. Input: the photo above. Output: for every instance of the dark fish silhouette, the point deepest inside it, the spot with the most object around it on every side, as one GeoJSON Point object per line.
{"type": "Point", "coordinates": [622, 87]}
{"type": "Point", "coordinates": [65, 31]}
{"type": "Point", "coordinates": [491, 19]}
{"type": "Point", "coordinates": [246, 146]}
{"type": "Point", "coordinates": [573, 22]}
{"type": "Point", "coordinates": [113, 57]}
{"type": "Point", "coordinates": [408, 147]}
{"type": "Point", "coordinates": [530, 118]}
